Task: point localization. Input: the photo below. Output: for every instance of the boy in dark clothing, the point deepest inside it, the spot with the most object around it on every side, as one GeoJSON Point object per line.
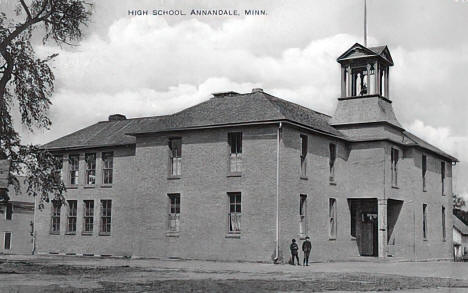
{"type": "Point", "coordinates": [306, 247]}
{"type": "Point", "coordinates": [294, 248]}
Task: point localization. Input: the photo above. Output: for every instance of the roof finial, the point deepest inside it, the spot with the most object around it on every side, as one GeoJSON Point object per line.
{"type": "Point", "coordinates": [365, 23]}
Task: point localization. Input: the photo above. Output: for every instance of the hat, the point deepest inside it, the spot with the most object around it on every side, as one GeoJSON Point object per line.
{"type": "Point", "coordinates": [294, 240]}
{"type": "Point", "coordinates": [307, 237]}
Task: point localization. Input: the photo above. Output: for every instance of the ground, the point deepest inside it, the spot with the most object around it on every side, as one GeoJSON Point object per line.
{"type": "Point", "coordinates": [89, 274]}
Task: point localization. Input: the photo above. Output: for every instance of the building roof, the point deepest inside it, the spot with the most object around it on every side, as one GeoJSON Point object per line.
{"type": "Point", "coordinates": [459, 225]}
{"type": "Point", "coordinates": [222, 110]}
{"type": "Point", "coordinates": [423, 144]}
{"type": "Point", "coordinates": [359, 51]}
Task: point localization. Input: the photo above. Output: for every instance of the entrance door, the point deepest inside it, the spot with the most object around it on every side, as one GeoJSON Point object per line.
{"type": "Point", "coordinates": [368, 239]}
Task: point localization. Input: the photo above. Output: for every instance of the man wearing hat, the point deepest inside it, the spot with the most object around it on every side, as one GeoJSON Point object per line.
{"type": "Point", "coordinates": [306, 247]}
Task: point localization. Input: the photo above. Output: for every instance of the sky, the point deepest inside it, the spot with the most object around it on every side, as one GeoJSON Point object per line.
{"type": "Point", "coordinates": [154, 65]}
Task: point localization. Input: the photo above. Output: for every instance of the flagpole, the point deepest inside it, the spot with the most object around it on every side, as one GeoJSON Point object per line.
{"type": "Point", "coordinates": [365, 23]}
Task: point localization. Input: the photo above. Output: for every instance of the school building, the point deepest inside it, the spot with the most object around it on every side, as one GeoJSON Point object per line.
{"type": "Point", "coordinates": [238, 176]}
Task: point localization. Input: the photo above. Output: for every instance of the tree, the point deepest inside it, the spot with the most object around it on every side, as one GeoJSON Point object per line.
{"type": "Point", "coordinates": [458, 202]}
{"type": "Point", "coordinates": [27, 83]}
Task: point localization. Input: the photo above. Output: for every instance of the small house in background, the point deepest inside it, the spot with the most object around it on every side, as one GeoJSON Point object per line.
{"type": "Point", "coordinates": [460, 239]}
{"type": "Point", "coordinates": [16, 221]}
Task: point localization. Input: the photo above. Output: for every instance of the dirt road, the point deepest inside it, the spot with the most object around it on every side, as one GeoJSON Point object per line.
{"type": "Point", "coordinates": [78, 274]}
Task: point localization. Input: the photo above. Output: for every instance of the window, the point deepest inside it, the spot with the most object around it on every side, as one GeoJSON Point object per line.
{"type": "Point", "coordinates": [174, 212]}
{"type": "Point", "coordinates": [74, 162]}
{"type": "Point", "coordinates": [444, 232]}
{"type": "Point", "coordinates": [442, 176]}
{"type": "Point", "coordinates": [234, 212]}
{"type": "Point", "coordinates": [90, 168]}
{"type": "Point", "coordinates": [332, 218]}
{"type": "Point", "coordinates": [88, 217]}
{"type": "Point", "coordinates": [7, 241]}
{"type": "Point", "coordinates": [71, 218]}
{"type": "Point", "coordinates": [395, 155]}
{"type": "Point", "coordinates": [235, 157]}
{"type": "Point", "coordinates": [424, 169]}
{"type": "Point", "coordinates": [303, 215]}
{"type": "Point", "coordinates": [303, 155]}
{"type": "Point", "coordinates": [353, 218]}
{"type": "Point", "coordinates": [106, 207]}
{"type": "Point", "coordinates": [175, 147]}
{"type": "Point", "coordinates": [107, 167]}
{"type": "Point", "coordinates": [332, 161]}
{"type": "Point", "coordinates": [9, 211]}
{"type": "Point", "coordinates": [55, 225]}
{"type": "Point", "coordinates": [424, 226]}
{"type": "Point", "coordinates": [57, 173]}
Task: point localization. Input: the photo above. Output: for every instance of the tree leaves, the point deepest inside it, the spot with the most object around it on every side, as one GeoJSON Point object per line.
{"type": "Point", "coordinates": [27, 83]}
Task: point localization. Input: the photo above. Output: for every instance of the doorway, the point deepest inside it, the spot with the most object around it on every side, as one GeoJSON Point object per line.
{"type": "Point", "coordinates": [364, 225]}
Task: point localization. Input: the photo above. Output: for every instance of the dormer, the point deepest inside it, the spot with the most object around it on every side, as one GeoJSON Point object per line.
{"type": "Point", "coordinates": [365, 71]}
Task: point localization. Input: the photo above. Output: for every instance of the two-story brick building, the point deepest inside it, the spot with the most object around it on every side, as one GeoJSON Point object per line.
{"type": "Point", "coordinates": [238, 176]}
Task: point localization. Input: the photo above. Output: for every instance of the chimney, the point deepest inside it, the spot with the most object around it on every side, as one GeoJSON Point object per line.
{"type": "Point", "coordinates": [117, 117]}
{"type": "Point", "coordinates": [224, 94]}
{"type": "Point", "coordinates": [257, 90]}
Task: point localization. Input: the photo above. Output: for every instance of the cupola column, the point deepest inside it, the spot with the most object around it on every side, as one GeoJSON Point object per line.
{"type": "Point", "coordinates": [377, 78]}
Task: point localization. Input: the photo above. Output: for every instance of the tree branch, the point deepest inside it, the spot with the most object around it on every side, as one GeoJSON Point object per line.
{"type": "Point", "coordinates": [7, 74]}
{"type": "Point", "coordinates": [25, 7]}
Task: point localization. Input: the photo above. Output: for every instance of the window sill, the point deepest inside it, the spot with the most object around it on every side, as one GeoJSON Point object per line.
{"type": "Point", "coordinates": [304, 178]}
{"type": "Point", "coordinates": [396, 187]}
{"type": "Point", "coordinates": [352, 238]}
{"type": "Point", "coordinates": [87, 233]}
{"type": "Point", "coordinates": [331, 239]}
{"type": "Point", "coordinates": [104, 234]}
{"type": "Point", "coordinates": [235, 174]}
{"type": "Point", "coordinates": [332, 182]}
{"type": "Point", "coordinates": [71, 187]}
{"type": "Point", "coordinates": [233, 235]}
{"type": "Point", "coordinates": [106, 185]}
{"type": "Point", "coordinates": [172, 234]}
{"type": "Point", "coordinates": [70, 233]}
{"type": "Point", "coordinates": [89, 186]}
{"type": "Point", "coordinates": [424, 190]}
{"type": "Point", "coordinates": [54, 233]}
{"type": "Point", "coordinates": [425, 239]}
{"type": "Point", "coordinates": [173, 177]}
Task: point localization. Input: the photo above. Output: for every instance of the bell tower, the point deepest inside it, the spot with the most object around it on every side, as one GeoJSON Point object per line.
{"type": "Point", "coordinates": [365, 90]}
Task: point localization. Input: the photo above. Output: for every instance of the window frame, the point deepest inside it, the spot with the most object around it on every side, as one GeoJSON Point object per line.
{"type": "Point", "coordinates": [105, 218]}
{"type": "Point", "coordinates": [9, 242]}
{"type": "Point", "coordinates": [56, 213]}
{"type": "Point", "coordinates": [9, 211]}
{"type": "Point", "coordinates": [173, 213]}
{"type": "Point", "coordinates": [86, 216]}
{"type": "Point", "coordinates": [76, 172]}
{"type": "Point", "coordinates": [175, 157]}
{"type": "Point", "coordinates": [332, 147]}
{"type": "Point", "coordinates": [235, 152]}
{"type": "Point", "coordinates": [332, 215]}
{"type": "Point", "coordinates": [235, 205]}
{"type": "Point", "coordinates": [303, 219]}
{"type": "Point", "coordinates": [424, 171]}
{"type": "Point", "coordinates": [444, 223]}
{"type": "Point", "coordinates": [304, 149]}
{"type": "Point", "coordinates": [394, 157]}
{"type": "Point", "coordinates": [90, 171]}
{"type": "Point", "coordinates": [107, 167]}
{"type": "Point", "coordinates": [424, 223]}
{"type": "Point", "coordinates": [442, 176]}
{"type": "Point", "coordinates": [58, 169]}
{"type": "Point", "coordinates": [72, 212]}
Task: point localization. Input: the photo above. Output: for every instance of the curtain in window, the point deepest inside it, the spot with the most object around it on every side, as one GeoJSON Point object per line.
{"type": "Point", "coordinates": [235, 222]}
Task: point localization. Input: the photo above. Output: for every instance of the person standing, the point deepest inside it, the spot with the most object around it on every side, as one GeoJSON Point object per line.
{"type": "Point", "coordinates": [294, 252]}
{"type": "Point", "coordinates": [306, 247]}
